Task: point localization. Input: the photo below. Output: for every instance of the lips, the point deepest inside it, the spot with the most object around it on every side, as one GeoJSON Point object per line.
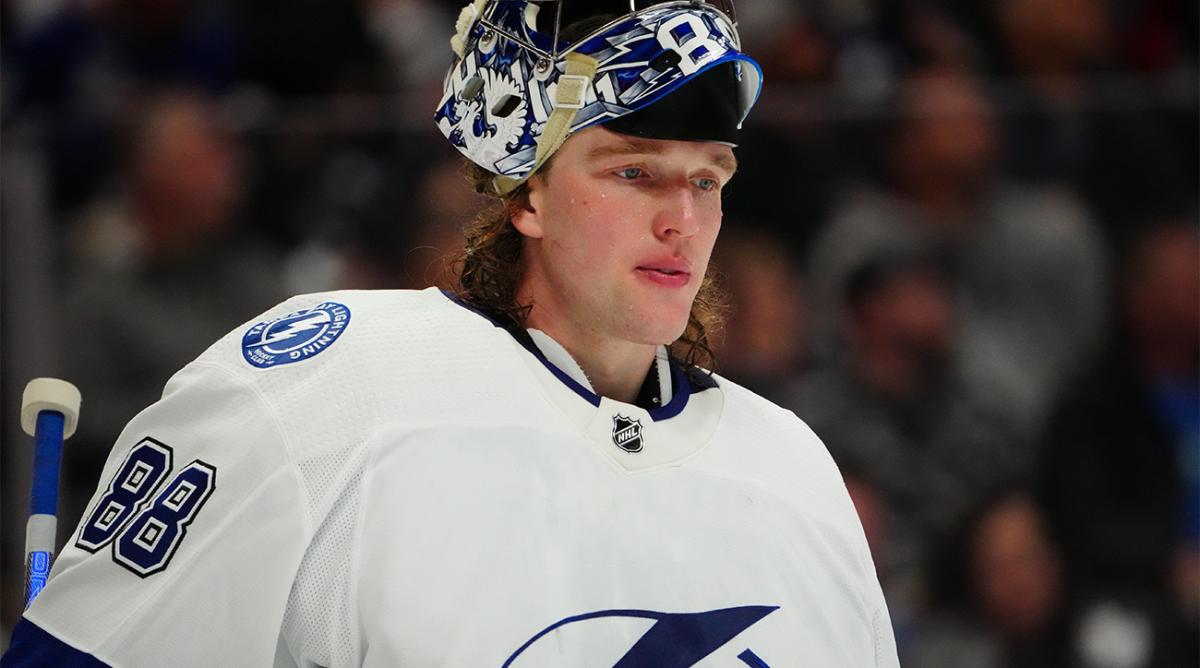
{"type": "Point", "coordinates": [667, 271]}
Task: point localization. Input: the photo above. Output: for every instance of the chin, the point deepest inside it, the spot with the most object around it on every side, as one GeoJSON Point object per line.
{"type": "Point", "coordinates": [655, 319]}
{"type": "Point", "coordinates": [659, 333]}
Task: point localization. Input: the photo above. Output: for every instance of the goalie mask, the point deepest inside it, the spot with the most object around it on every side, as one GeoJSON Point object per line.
{"type": "Point", "coordinates": [520, 86]}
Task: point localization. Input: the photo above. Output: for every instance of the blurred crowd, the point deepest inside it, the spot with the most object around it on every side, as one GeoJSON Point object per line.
{"type": "Point", "coordinates": [962, 245]}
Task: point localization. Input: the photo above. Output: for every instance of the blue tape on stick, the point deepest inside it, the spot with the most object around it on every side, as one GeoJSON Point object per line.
{"type": "Point", "coordinates": [37, 567]}
{"type": "Point", "coordinates": [47, 456]}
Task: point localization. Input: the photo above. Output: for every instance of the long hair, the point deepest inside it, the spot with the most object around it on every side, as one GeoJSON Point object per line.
{"type": "Point", "coordinates": [490, 272]}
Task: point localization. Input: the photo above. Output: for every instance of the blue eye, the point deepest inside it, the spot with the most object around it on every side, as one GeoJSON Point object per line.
{"type": "Point", "coordinates": [631, 173]}
{"type": "Point", "coordinates": [708, 184]}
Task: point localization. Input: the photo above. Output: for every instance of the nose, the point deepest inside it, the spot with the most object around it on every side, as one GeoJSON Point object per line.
{"type": "Point", "coordinates": [678, 214]}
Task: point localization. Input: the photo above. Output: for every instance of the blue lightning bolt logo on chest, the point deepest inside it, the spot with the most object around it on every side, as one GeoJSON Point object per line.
{"type": "Point", "coordinates": [673, 640]}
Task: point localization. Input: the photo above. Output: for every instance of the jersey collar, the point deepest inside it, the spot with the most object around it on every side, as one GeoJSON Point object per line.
{"type": "Point", "coordinates": [683, 384]}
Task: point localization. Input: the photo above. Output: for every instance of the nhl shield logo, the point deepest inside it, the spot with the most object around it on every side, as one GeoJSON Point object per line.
{"type": "Point", "coordinates": [627, 433]}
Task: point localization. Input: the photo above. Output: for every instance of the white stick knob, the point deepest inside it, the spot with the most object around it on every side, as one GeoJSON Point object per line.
{"type": "Point", "coordinates": [50, 394]}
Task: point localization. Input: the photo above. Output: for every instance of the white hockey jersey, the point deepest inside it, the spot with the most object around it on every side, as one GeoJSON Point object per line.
{"type": "Point", "coordinates": [387, 478]}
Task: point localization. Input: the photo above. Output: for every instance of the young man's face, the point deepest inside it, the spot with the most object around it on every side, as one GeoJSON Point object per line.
{"type": "Point", "coordinates": [619, 231]}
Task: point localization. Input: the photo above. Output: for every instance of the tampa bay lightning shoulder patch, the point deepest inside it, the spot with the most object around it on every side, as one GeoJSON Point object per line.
{"type": "Point", "coordinates": [296, 336]}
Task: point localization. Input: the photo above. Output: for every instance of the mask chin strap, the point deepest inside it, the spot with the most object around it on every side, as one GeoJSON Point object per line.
{"type": "Point", "coordinates": [569, 94]}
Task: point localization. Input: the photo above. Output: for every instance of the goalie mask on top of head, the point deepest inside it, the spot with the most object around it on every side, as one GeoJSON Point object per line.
{"type": "Point", "coordinates": [519, 86]}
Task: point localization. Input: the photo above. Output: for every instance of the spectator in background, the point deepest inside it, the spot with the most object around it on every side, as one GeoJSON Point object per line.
{"type": "Point", "coordinates": [791, 164]}
{"type": "Point", "coordinates": [892, 415]}
{"type": "Point", "coordinates": [1075, 120]}
{"type": "Point", "coordinates": [444, 201]}
{"type": "Point", "coordinates": [1121, 477]}
{"type": "Point", "coordinates": [410, 33]}
{"type": "Point", "coordinates": [157, 271]}
{"type": "Point", "coordinates": [998, 596]}
{"type": "Point", "coordinates": [312, 68]}
{"type": "Point", "coordinates": [308, 49]}
{"type": "Point", "coordinates": [70, 67]}
{"type": "Point", "coordinates": [376, 234]}
{"type": "Point", "coordinates": [764, 342]}
{"type": "Point", "coordinates": [1027, 269]}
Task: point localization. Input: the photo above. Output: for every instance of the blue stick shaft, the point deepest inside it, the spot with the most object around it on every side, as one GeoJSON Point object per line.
{"type": "Point", "coordinates": [43, 505]}
{"type": "Point", "coordinates": [47, 458]}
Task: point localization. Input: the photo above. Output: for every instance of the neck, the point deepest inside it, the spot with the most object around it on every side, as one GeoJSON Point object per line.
{"type": "Point", "coordinates": [616, 369]}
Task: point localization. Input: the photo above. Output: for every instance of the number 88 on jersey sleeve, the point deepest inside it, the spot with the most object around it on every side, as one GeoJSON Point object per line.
{"type": "Point", "coordinates": [147, 533]}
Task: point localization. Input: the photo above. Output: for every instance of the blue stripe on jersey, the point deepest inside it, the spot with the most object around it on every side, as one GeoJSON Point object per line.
{"type": "Point", "coordinates": [33, 647]}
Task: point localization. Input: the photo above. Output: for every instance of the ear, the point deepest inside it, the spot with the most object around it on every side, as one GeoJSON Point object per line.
{"type": "Point", "coordinates": [525, 209]}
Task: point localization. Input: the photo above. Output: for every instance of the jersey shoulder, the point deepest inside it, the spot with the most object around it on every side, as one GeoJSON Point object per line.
{"type": "Point", "coordinates": [780, 451]}
{"type": "Point", "coordinates": [343, 345]}
{"type": "Point", "coordinates": [745, 405]}
{"type": "Point", "coordinates": [790, 460]}
{"type": "Point", "coordinates": [332, 369]}
{"type": "Point", "coordinates": [307, 331]}
{"type": "Point", "coordinates": [335, 370]}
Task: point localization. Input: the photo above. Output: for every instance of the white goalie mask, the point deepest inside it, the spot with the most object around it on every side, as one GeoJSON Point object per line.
{"type": "Point", "coordinates": [518, 89]}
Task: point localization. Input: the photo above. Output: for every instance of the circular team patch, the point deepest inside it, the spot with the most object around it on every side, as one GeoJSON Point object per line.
{"type": "Point", "coordinates": [296, 336]}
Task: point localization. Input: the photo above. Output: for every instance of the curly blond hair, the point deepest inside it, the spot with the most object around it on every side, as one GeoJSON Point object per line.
{"type": "Point", "coordinates": [489, 272]}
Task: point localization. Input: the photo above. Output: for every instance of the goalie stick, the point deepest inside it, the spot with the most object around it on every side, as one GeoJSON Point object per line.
{"type": "Point", "coordinates": [49, 413]}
